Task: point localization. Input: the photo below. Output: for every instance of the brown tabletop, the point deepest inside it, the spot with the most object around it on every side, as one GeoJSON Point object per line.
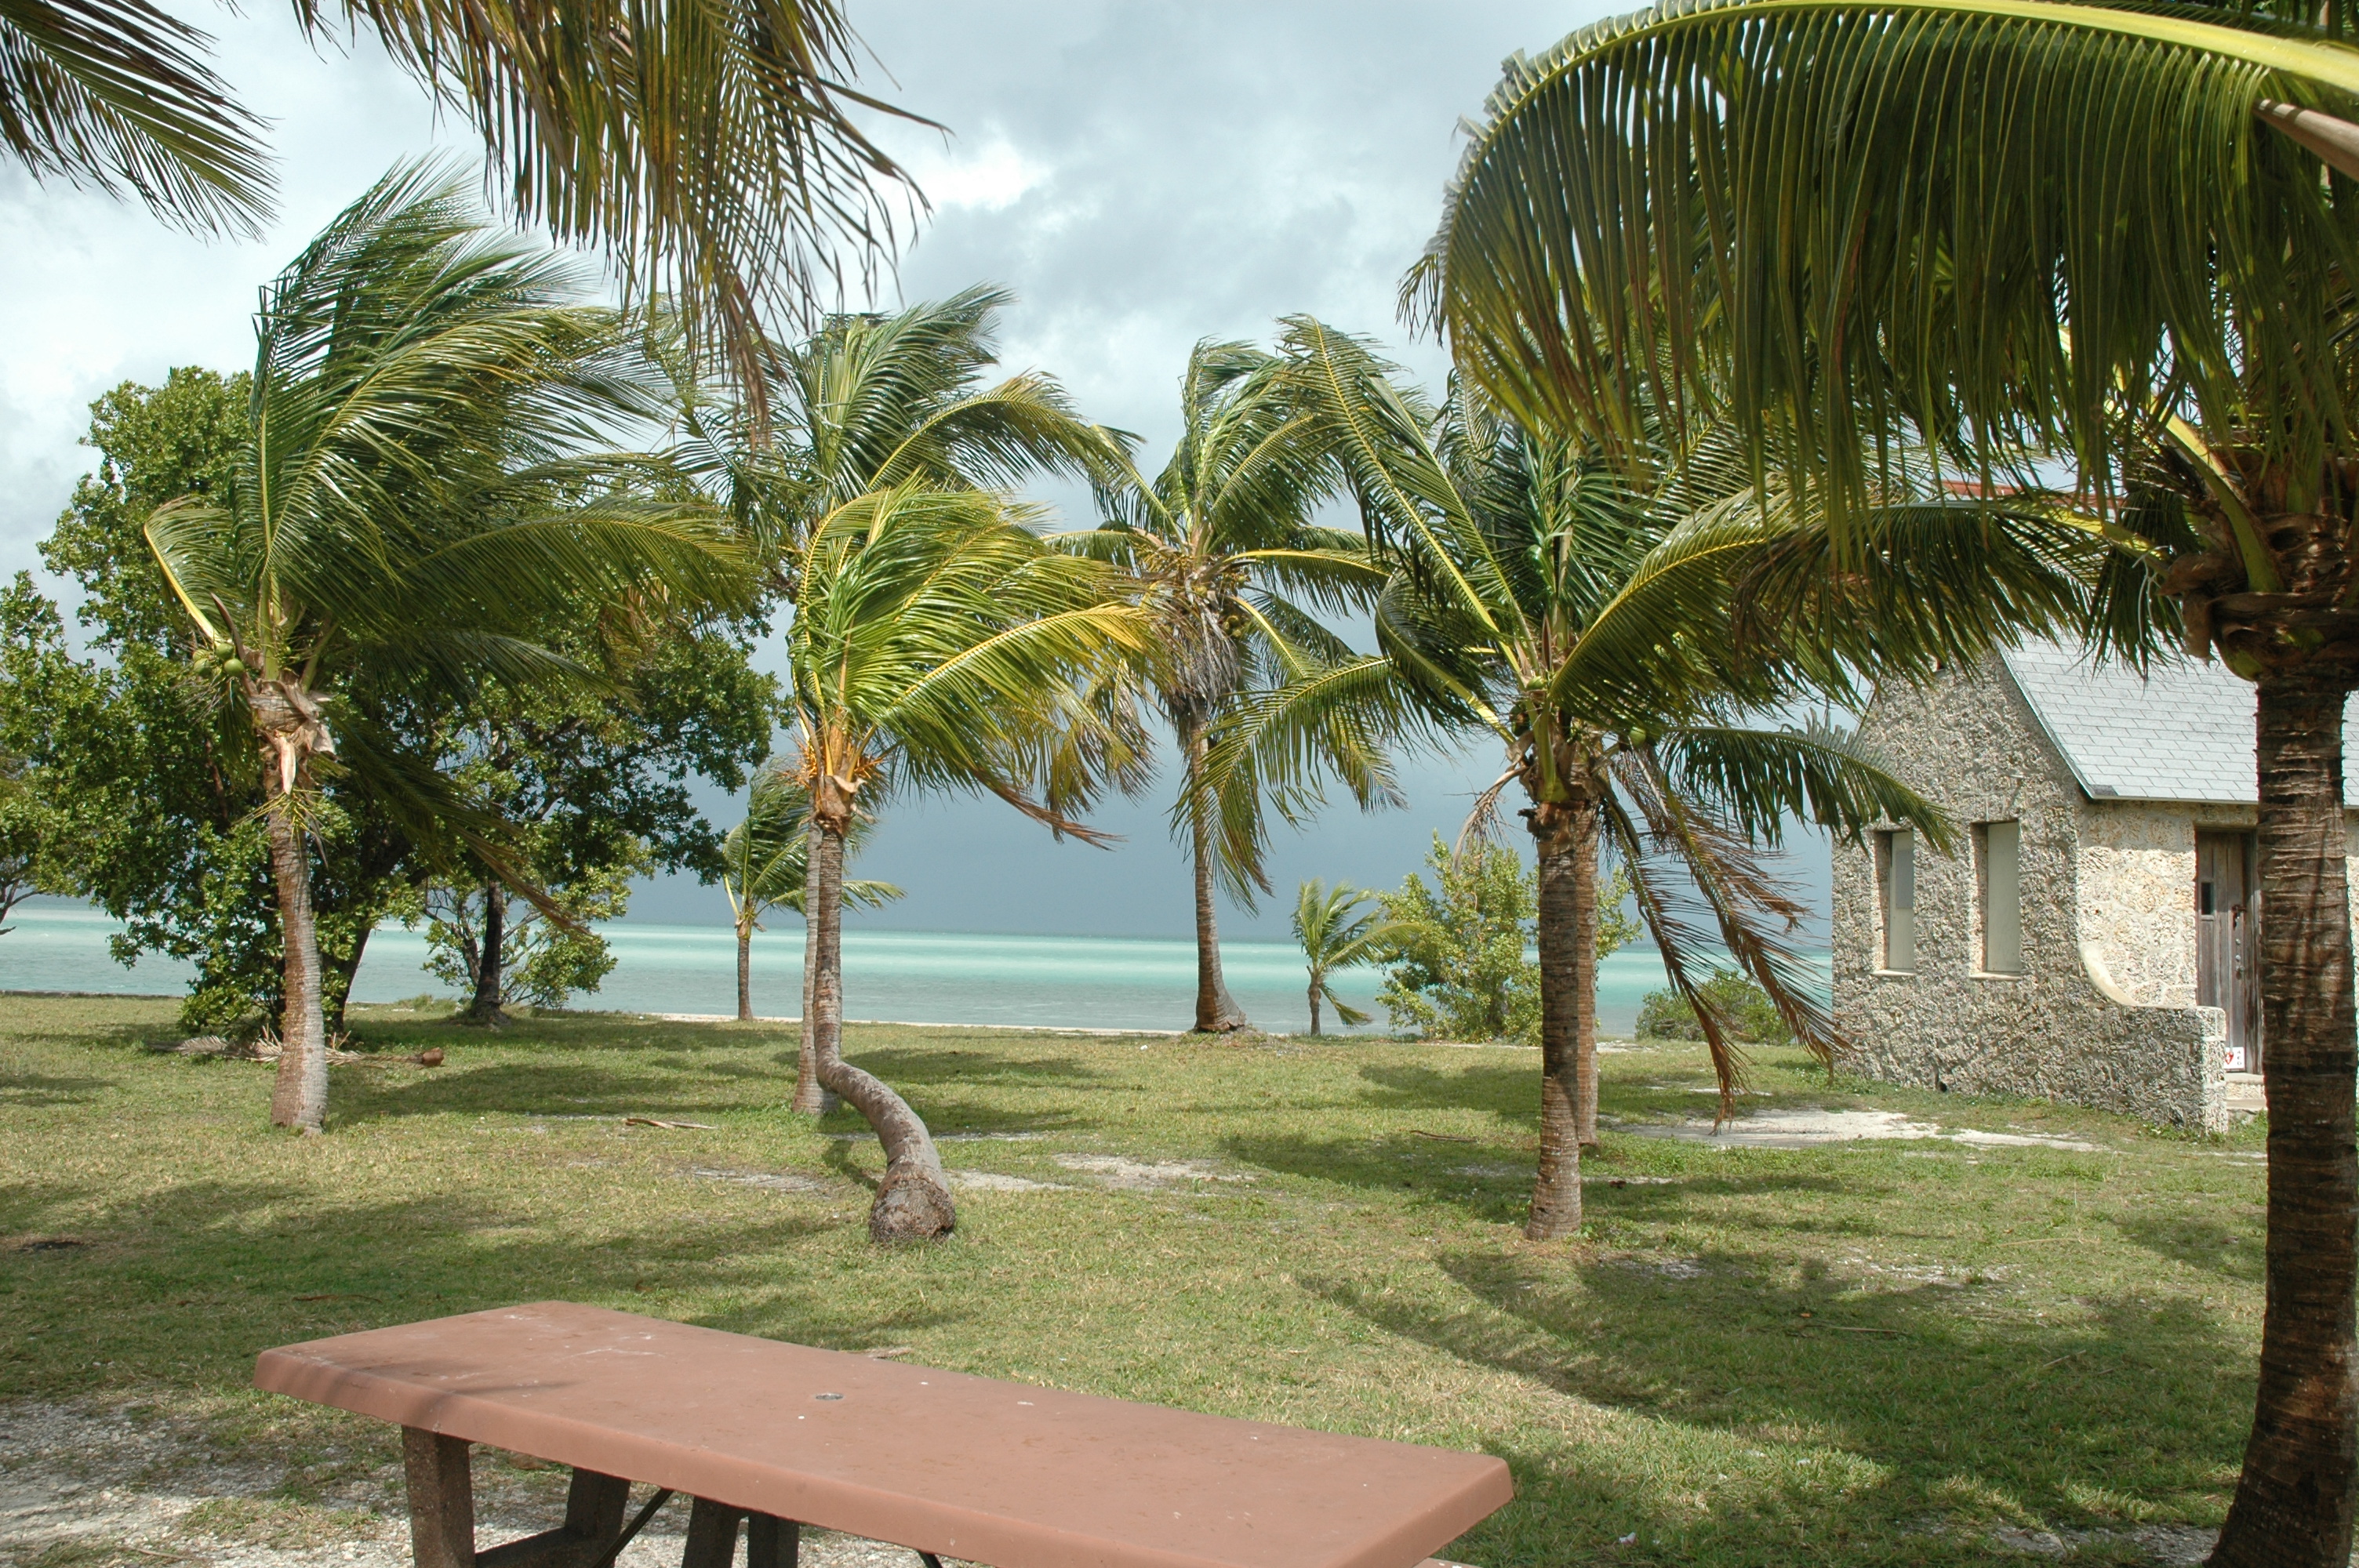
{"type": "Point", "coordinates": [997, 1472]}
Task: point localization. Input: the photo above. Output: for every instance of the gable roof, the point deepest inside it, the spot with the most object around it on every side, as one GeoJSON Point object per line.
{"type": "Point", "coordinates": [2182, 731]}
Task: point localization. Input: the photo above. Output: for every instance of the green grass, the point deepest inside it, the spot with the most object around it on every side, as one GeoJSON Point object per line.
{"type": "Point", "coordinates": [1859, 1354]}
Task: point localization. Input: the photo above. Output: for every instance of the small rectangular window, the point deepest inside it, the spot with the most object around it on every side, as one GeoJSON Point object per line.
{"type": "Point", "coordinates": [2001, 851]}
{"type": "Point", "coordinates": [1896, 886]}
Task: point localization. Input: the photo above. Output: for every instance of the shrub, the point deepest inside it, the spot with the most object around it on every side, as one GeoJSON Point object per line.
{"type": "Point", "coordinates": [1744, 1006]}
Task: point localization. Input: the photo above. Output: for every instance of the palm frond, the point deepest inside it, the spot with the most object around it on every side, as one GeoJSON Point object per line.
{"type": "Point", "coordinates": [116, 95]}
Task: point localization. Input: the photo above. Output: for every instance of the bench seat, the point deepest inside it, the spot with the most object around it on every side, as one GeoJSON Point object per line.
{"type": "Point", "coordinates": [997, 1472]}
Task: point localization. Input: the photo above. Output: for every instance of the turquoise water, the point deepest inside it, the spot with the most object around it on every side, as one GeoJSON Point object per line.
{"type": "Point", "coordinates": [919, 976]}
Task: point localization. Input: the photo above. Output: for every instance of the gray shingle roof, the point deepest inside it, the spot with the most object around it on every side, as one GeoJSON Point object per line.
{"type": "Point", "coordinates": [2181, 732]}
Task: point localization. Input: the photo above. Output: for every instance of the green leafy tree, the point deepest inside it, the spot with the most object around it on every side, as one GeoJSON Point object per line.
{"type": "Point", "coordinates": [1613, 636]}
{"type": "Point", "coordinates": [597, 777]}
{"type": "Point", "coordinates": [765, 864]}
{"type": "Point", "coordinates": [400, 511]}
{"type": "Point", "coordinates": [1337, 930]}
{"type": "Point", "coordinates": [1460, 964]}
{"type": "Point", "coordinates": [1227, 555]}
{"type": "Point", "coordinates": [938, 645]}
{"type": "Point", "coordinates": [502, 953]}
{"type": "Point", "coordinates": [2138, 267]}
{"type": "Point", "coordinates": [1743, 1007]}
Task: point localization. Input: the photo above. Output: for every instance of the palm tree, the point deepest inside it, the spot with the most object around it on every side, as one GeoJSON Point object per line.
{"type": "Point", "coordinates": [710, 150]}
{"type": "Point", "coordinates": [1234, 568]}
{"type": "Point", "coordinates": [868, 403]}
{"type": "Point", "coordinates": [938, 644]}
{"type": "Point", "coordinates": [1613, 639]}
{"type": "Point", "coordinates": [2138, 262]}
{"type": "Point", "coordinates": [398, 515]}
{"type": "Point", "coordinates": [1338, 932]}
{"type": "Point", "coordinates": [765, 864]}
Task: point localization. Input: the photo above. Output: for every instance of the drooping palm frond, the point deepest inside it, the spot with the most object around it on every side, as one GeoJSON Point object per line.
{"type": "Point", "coordinates": [1700, 888]}
{"type": "Point", "coordinates": [711, 149]}
{"type": "Point", "coordinates": [2011, 226]}
{"type": "Point", "coordinates": [116, 95]}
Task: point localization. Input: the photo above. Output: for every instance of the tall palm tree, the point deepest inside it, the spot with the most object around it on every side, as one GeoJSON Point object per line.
{"type": "Point", "coordinates": [870, 402]}
{"type": "Point", "coordinates": [1337, 932]}
{"type": "Point", "coordinates": [710, 149]}
{"type": "Point", "coordinates": [1613, 636]}
{"type": "Point", "coordinates": [2137, 264]}
{"type": "Point", "coordinates": [422, 396]}
{"type": "Point", "coordinates": [765, 864]}
{"type": "Point", "coordinates": [939, 646]}
{"type": "Point", "coordinates": [1229, 559]}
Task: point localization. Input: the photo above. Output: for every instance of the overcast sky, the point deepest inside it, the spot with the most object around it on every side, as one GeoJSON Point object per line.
{"type": "Point", "coordinates": [1143, 175]}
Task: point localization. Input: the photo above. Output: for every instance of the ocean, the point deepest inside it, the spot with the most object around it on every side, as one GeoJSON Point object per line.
{"type": "Point", "coordinates": [916, 977]}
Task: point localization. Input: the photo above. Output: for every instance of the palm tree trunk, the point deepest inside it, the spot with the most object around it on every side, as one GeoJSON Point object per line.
{"type": "Point", "coordinates": [1585, 835]}
{"type": "Point", "coordinates": [745, 971]}
{"type": "Point", "coordinates": [1216, 1011]}
{"type": "Point", "coordinates": [812, 1097]}
{"type": "Point", "coordinates": [913, 1200]}
{"type": "Point", "coordinates": [1568, 882]}
{"type": "Point", "coordinates": [2293, 1502]}
{"type": "Point", "coordinates": [491, 961]}
{"type": "Point", "coordinates": [299, 1095]}
{"type": "Point", "coordinates": [1314, 1004]}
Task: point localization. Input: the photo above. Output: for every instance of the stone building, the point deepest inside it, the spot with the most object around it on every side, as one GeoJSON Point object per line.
{"type": "Point", "coordinates": [2089, 938]}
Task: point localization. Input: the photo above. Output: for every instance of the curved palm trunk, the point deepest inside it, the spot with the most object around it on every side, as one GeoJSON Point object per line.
{"type": "Point", "coordinates": [1566, 838]}
{"type": "Point", "coordinates": [299, 1094]}
{"type": "Point", "coordinates": [913, 1201]}
{"type": "Point", "coordinates": [745, 969]}
{"type": "Point", "coordinates": [1216, 1011]}
{"type": "Point", "coordinates": [2293, 1502]}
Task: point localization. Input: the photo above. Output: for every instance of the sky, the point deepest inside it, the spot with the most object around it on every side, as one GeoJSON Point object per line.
{"type": "Point", "coordinates": [1142, 175]}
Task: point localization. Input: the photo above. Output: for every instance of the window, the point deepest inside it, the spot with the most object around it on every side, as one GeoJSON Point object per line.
{"type": "Point", "coordinates": [1999, 846]}
{"type": "Point", "coordinates": [1895, 889]}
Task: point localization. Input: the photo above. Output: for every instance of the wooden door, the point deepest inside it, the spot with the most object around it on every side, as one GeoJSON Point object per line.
{"type": "Point", "coordinates": [2225, 974]}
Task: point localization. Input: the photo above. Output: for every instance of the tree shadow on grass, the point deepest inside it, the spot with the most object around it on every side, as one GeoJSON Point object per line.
{"type": "Point", "coordinates": [516, 1089]}
{"type": "Point", "coordinates": [1489, 1179]}
{"type": "Point", "coordinates": [2218, 1247]}
{"type": "Point", "coordinates": [1510, 1090]}
{"type": "Point", "coordinates": [26, 1090]}
{"type": "Point", "coordinates": [901, 1065]}
{"type": "Point", "coordinates": [1950, 1401]}
{"type": "Point", "coordinates": [197, 1278]}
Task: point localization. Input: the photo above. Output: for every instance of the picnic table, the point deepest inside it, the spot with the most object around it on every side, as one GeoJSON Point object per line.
{"type": "Point", "coordinates": [772, 1436]}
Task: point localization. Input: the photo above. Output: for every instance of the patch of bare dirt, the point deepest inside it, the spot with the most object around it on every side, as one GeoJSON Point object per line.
{"type": "Point", "coordinates": [112, 1486]}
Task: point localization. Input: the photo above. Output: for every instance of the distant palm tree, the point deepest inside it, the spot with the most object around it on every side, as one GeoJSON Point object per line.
{"type": "Point", "coordinates": [765, 864]}
{"type": "Point", "coordinates": [938, 645]}
{"type": "Point", "coordinates": [1337, 932]}
{"type": "Point", "coordinates": [1614, 640]}
{"type": "Point", "coordinates": [710, 149]}
{"type": "Point", "coordinates": [403, 511]}
{"type": "Point", "coordinates": [1229, 560]}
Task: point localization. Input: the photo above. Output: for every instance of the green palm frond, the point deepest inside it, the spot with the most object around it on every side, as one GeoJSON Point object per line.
{"type": "Point", "coordinates": [712, 152]}
{"type": "Point", "coordinates": [2011, 226]}
{"type": "Point", "coordinates": [116, 95]}
{"type": "Point", "coordinates": [1756, 780]}
{"type": "Point", "coordinates": [940, 643]}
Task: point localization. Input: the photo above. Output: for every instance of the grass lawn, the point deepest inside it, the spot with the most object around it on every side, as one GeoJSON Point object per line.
{"type": "Point", "coordinates": [1879, 1352]}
